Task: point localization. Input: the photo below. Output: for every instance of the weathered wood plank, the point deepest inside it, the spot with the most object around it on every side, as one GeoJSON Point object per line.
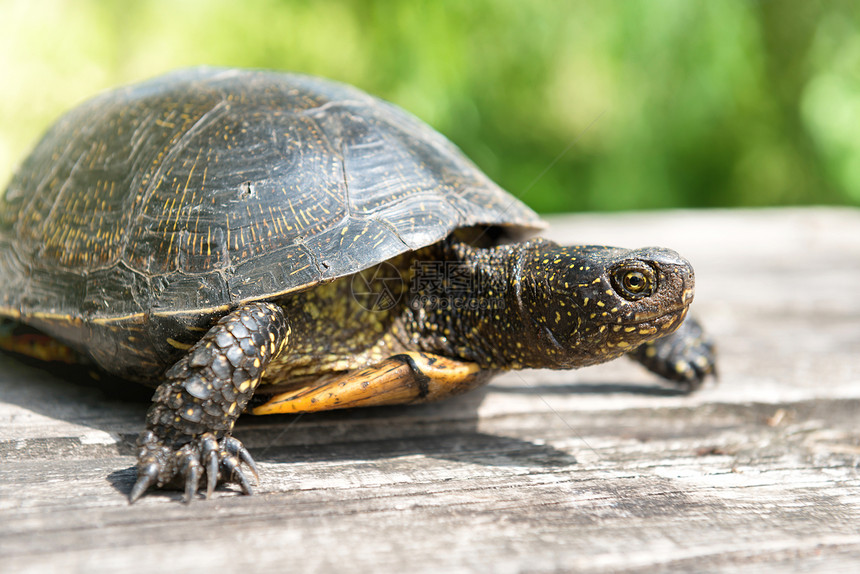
{"type": "Point", "coordinates": [595, 470]}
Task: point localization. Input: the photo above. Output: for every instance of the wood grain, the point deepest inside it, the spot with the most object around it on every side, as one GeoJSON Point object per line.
{"type": "Point", "coordinates": [595, 470]}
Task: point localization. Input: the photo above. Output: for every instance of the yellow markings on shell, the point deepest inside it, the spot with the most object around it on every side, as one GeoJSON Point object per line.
{"type": "Point", "coordinates": [629, 329]}
{"type": "Point", "coordinates": [623, 344]}
{"type": "Point", "coordinates": [601, 304]}
{"type": "Point", "coordinates": [170, 245]}
{"type": "Point", "coordinates": [184, 192]}
{"type": "Point", "coordinates": [175, 344]}
{"type": "Point", "coordinates": [274, 219]}
{"type": "Point", "coordinates": [257, 363]}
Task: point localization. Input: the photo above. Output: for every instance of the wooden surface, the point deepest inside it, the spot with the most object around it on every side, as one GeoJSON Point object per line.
{"type": "Point", "coordinates": [595, 470]}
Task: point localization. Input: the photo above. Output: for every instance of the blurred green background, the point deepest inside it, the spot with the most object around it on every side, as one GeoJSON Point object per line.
{"type": "Point", "coordinates": [589, 105]}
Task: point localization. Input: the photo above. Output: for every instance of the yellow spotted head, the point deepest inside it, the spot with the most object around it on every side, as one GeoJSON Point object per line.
{"type": "Point", "coordinates": [594, 303]}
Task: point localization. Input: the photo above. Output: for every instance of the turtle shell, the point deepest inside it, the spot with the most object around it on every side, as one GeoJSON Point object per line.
{"type": "Point", "coordinates": [206, 188]}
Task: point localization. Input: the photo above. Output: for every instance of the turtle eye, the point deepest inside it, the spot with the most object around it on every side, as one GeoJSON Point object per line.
{"type": "Point", "coordinates": [634, 284]}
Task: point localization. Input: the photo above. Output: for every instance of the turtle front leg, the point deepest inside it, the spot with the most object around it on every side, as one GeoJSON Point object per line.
{"type": "Point", "coordinates": [189, 424]}
{"type": "Point", "coordinates": [685, 357]}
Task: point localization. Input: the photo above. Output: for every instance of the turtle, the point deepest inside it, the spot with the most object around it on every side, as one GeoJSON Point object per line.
{"type": "Point", "coordinates": [269, 242]}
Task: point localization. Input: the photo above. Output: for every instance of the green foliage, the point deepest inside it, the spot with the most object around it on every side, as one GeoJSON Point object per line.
{"type": "Point", "coordinates": [574, 105]}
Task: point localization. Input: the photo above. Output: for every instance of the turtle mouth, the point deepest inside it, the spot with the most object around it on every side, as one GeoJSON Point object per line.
{"type": "Point", "coordinates": [646, 317]}
{"type": "Point", "coordinates": [622, 337]}
{"type": "Point", "coordinates": [643, 317]}
{"type": "Point", "coordinates": [652, 324]}
{"type": "Point", "coordinates": [669, 321]}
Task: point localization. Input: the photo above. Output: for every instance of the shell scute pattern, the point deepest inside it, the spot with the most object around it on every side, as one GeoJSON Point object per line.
{"type": "Point", "coordinates": [212, 187]}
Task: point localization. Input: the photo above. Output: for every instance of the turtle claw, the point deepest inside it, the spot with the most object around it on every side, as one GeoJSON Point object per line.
{"type": "Point", "coordinates": [183, 467]}
{"type": "Point", "coordinates": [233, 466]}
{"type": "Point", "coordinates": [210, 460]}
{"type": "Point", "coordinates": [236, 448]}
{"type": "Point", "coordinates": [211, 475]}
{"type": "Point", "coordinates": [146, 477]}
{"type": "Point", "coordinates": [192, 480]}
